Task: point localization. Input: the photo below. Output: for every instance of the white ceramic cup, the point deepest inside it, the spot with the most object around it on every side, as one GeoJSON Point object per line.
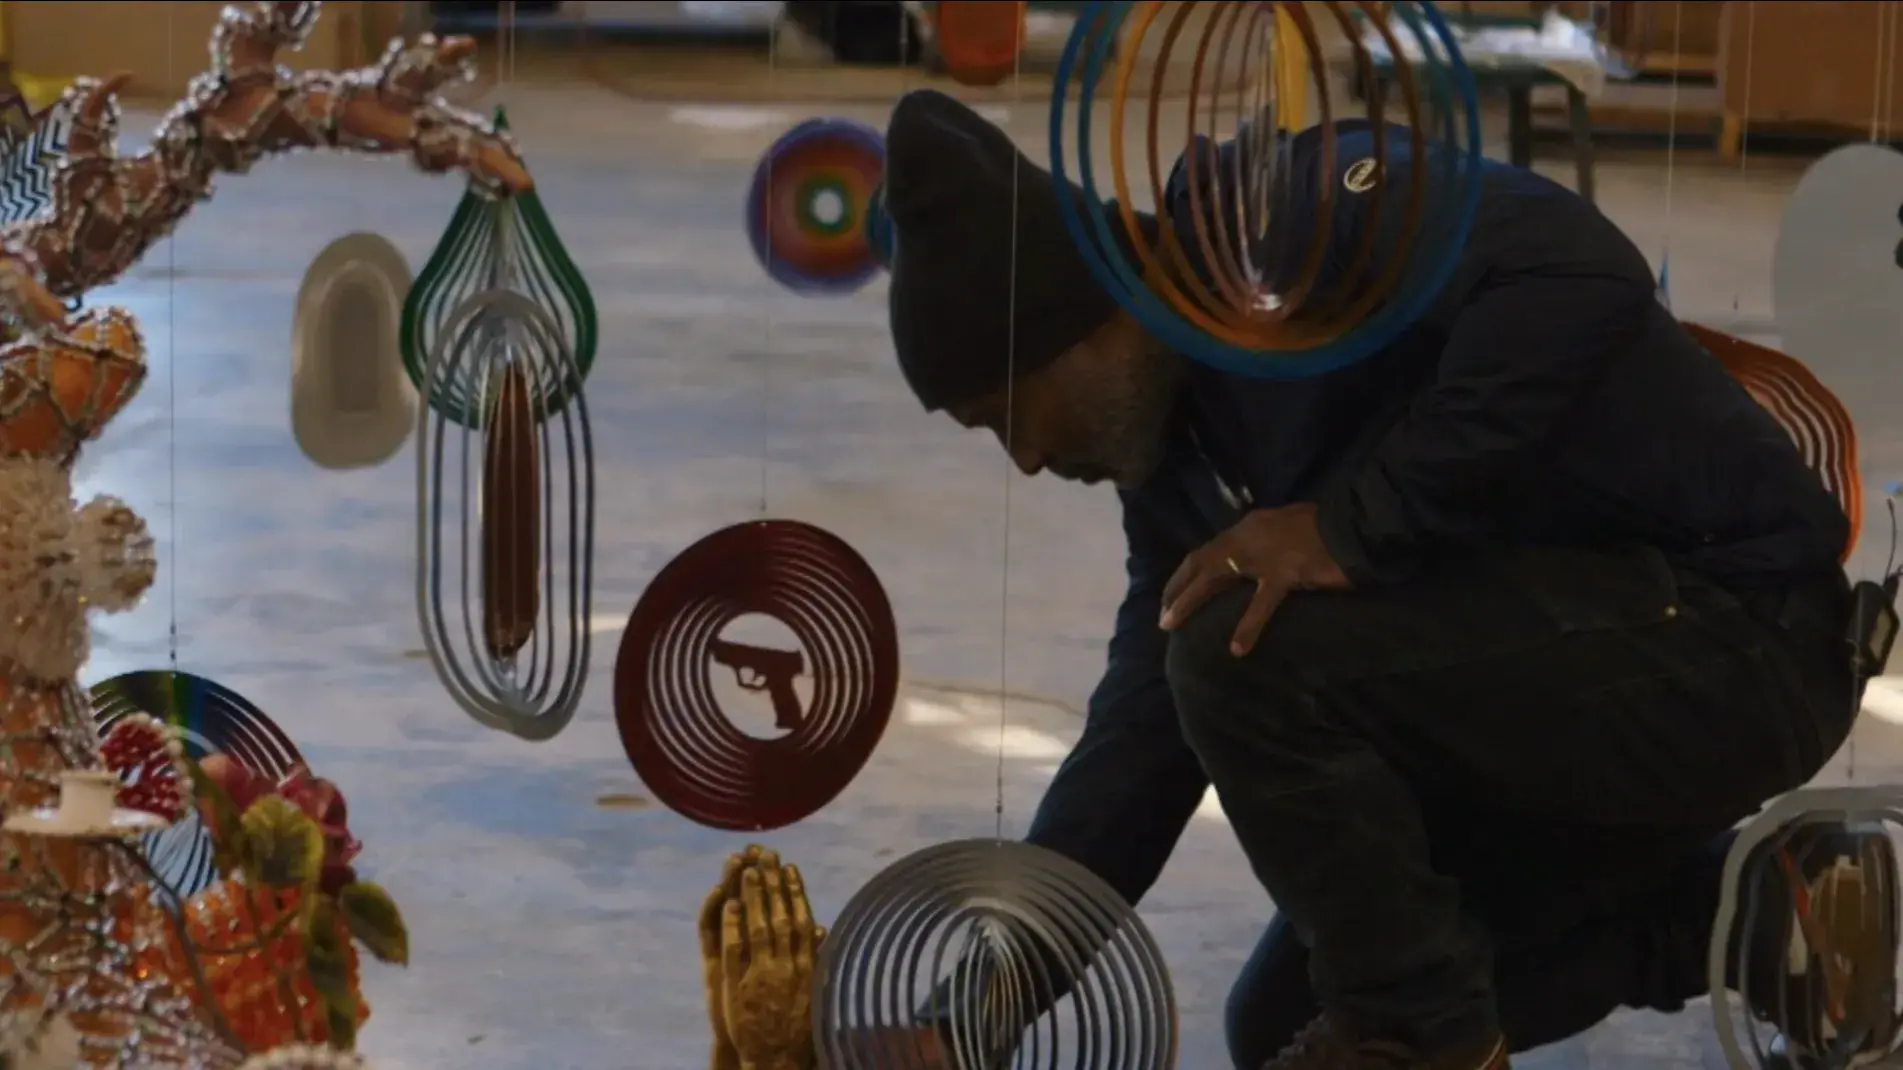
{"type": "Point", "coordinates": [87, 799]}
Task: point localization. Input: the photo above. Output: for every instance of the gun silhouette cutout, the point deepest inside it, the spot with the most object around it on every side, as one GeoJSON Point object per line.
{"type": "Point", "coordinates": [759, 668]}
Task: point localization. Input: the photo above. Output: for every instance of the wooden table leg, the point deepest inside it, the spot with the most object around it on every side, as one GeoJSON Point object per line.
{"type": "Point", "coordinates": [1580, 116]}
{"type": "Point", "coordinates": [1731, 137]}
{"type": "Point", "coordinates": [1520, 125]}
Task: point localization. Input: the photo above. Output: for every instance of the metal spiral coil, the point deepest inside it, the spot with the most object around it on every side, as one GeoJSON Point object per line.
{"type": "Point", "coordinates": [209, 719]}
{"type": "Point", "coordinates": [1286, 256]}
{"type": "Point", "coordinates": [685, 747]}
{"type": "Point", "coordinates": [1816, 869]}
{"type": "Point", "coordinates": [506, 518]}
{"type": "Point", "coordinates": [1816, 419]}
{"type": "Point", "coordinates": [1020, 956]}
{"type": "Point", "coordinates": [492, 244]}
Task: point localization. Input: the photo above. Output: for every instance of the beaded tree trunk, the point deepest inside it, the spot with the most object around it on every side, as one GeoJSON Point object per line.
{"type": "Point", "coordinates": [82, 939]}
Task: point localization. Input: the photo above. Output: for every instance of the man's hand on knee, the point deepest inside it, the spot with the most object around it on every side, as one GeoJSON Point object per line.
{"type": "Point", "coordinates": [1279, 550]}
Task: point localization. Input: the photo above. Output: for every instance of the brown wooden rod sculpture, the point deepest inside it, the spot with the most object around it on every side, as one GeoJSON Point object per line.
{"type": "Point", "coordinates": [511, 517]}
{"type": "Point", "coordinates": [108, 210]}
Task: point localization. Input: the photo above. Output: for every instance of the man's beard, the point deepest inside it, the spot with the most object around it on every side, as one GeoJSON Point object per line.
{"type": "Point", "coordinates": [1129, 412]}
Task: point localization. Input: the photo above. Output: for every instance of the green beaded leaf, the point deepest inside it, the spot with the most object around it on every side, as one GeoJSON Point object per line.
{"type": "Point", "coordinates": [373, 918]}
{"type": "Point", "coordinates": [285, 848]}
{"type": "Point", "coordinates": [327, 960]}
{"type": "Point", "coordinates": [492, 244]}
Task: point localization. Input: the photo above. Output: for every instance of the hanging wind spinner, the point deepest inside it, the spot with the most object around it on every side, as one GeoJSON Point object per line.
{"type": "Point", "coordinates": [1825, 984]}
{"type": "Point", "coordinates": [506, 515]}
{"type": "Point", "coordinates": [809, 208]}
{"type": "Point", "coordinates": [1288, 255]}
{"type": "Point", "coordinates": [499, 334]}
{"type": "Point", "coordinates": [1020, 956]}
{"type": "Point", "coordinates": [207, 718]}
{"type": "Point", "coordinates": [1815, 418]}
{"type": "Point", "coordinates": [31, 145]}
{"type": "Point", "coordinates": [493, 243]}
{"type": "Point", "coordinates": [830, 678]}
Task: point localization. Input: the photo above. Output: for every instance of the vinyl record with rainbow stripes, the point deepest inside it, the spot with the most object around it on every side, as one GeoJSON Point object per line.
{"type": "Point", "coordinates": [210, 719]}
{"type": "Point", "coordinates": [809, 204]}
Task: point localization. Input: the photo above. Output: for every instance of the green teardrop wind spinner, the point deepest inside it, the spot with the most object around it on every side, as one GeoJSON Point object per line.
{"type": "Point", "coordinates": [498, 244]}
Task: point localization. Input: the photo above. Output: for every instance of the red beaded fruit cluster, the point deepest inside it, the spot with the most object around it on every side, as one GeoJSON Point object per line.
{"type": "Point", "coordinates": [148, 761]}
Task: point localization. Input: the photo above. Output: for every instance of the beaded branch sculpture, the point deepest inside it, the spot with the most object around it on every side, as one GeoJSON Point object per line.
{"type": "Point", "coordinates": [93, 970]}
{"type": "Point", "coordinates": [107, 211]}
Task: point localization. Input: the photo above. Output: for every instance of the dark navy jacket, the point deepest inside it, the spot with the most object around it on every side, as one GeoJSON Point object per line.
{"type": "Point", "coordinates": [1547, 398]}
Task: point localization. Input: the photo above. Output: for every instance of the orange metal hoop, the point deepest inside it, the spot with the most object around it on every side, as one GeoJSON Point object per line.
{"type": "Point", "coordinates": [1816, 419]}
{"type": "Point", "coordinates": [1235, 306]}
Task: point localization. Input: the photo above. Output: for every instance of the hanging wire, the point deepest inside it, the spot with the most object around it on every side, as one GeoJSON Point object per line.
{"type": "Point", "coordinates": [1671, 136]}
{"type": "Point", "coordinates": [1750, 64]}
{"type": "Point", "coordinates": [1877, 82]}
{"type": "Point", "coordinates": [1880, 85]}
{"type": "Point", "coordinates": [1815, 855]}
{"type": "Point", "coordinates": [1010, 428]}
{"type": "Point", "coordinates": [1890, 69]}
{"type": "Point", "coordinates": [765, 355]}
{"type": "Point", "coordinates": [171, 388]}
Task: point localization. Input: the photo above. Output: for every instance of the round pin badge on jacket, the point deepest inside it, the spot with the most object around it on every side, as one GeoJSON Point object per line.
{"type": "Point", "coordinates": [1362, 175]}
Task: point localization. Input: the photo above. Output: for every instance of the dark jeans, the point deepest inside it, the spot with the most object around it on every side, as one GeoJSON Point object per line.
{"type": "Point", "coordinates": [1499, 779]}
{"type": "Point", "coordinates": [1642, 945]}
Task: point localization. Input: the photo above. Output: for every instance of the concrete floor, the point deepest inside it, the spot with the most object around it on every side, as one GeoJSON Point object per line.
{"type": "Point", "coordinates": [551, 932]}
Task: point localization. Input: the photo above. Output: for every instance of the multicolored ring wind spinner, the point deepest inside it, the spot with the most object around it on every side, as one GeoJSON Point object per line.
{"type": "Point", "coordinates": [809, 208]}
{"type": "Point", "coordinates": [1281, 280]}
{"type": "Point", "coordinates": [207, 718]}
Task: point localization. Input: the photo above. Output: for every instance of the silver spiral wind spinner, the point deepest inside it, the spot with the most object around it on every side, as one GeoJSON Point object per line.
{"type": "Point", "coordinates": [1807, 932]}
{"type": "Point", "coordinates": [505, 517]}
{"type": "Point", "coordinates": [1020, 956]}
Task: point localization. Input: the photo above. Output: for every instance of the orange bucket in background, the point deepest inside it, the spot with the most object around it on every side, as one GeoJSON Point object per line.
{"type": "Point", "coordinates": [979, 40]}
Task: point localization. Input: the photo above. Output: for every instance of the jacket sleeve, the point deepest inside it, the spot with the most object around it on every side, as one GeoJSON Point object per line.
{"type": "Point", "coordinates": [1117, 806]}
{"type": "Point", "coordinates": [1546, 295]}
{"type": "Point", "coordinates": [1124, 795]}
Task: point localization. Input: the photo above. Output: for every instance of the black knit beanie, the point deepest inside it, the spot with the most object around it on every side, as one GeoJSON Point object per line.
{"type": "Point", "coordinates": [959, 329]}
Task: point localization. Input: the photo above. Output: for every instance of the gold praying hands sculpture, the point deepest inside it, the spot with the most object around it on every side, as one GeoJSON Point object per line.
{"type": "Point", "coordinates": [758, 946]}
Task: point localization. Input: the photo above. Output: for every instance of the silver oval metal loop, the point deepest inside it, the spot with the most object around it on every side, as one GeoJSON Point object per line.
{"type": "Point", "coordinates": [1857, 1018]}
{"type": "Point", "coordinates": [505, 516]}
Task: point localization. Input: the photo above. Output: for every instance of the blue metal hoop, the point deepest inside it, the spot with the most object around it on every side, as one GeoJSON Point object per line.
{"type": "Point", "coordinates": [1431, 260]}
